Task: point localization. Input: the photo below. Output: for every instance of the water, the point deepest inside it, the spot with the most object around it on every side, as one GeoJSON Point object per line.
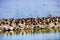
{"type": "Point", "coordinates": [29, 36]}
{"type": "Point", "coordinates": [28, 8]}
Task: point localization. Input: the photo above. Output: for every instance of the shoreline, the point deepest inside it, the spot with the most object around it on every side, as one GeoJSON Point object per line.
{"type": "Point", "coordinates": [30, 31]}
{"type": "Point", "coordinates": [30, 23]}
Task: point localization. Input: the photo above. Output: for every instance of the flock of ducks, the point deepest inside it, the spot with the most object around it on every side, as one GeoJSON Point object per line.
{"type": "Point", "coordinates": [25, 23]}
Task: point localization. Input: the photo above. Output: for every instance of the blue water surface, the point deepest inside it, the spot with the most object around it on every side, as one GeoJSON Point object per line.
{"type": "Point", "coordinates": [29, 8]}
{"type": "Point", "coordinates": [36, 36]}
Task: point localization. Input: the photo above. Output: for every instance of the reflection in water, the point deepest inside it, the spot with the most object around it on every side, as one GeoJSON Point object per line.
{"type": "Point", "coordinates": [30, 34]}
{"type": "Point", "coordinates": [30, 31]}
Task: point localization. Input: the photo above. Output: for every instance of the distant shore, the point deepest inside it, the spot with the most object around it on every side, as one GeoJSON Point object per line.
{"type": "Point", "coordinates": [30, 23]}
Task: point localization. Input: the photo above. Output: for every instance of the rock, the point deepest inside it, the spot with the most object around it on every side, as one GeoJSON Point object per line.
{"type": "Point", "coordinates": [11, 28]}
